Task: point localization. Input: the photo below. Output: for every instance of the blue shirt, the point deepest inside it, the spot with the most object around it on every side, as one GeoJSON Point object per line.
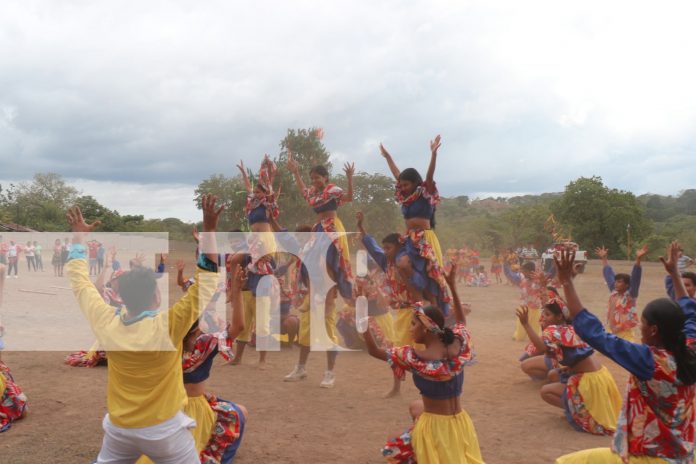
{"type": "Point", "coordinates": [636, 358]}
{"type": "Point", "coordinates": [636, 273]}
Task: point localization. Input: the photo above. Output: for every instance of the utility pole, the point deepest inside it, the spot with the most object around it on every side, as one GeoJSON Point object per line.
{"type": "Point", "coordinates": [628, 241]}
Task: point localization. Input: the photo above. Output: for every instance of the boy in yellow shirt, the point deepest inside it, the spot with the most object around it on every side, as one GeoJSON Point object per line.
{"type": "Point", "coordinates": [145, 392]}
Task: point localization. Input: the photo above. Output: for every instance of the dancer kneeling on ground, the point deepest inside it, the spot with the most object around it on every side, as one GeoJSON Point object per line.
{"type": "Point", "coordinates": [582, 387]}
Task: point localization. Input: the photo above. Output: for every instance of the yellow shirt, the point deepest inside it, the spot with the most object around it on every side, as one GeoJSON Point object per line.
{"type": "Point", "coordinates": [145, 380]}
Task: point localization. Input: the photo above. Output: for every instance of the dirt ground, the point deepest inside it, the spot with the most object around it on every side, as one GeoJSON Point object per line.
{"type": "Point", "coordinates": [302, 423]}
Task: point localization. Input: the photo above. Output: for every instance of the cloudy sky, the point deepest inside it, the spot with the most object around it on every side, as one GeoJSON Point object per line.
{"type": "Point", "coordinates": [136, 102]}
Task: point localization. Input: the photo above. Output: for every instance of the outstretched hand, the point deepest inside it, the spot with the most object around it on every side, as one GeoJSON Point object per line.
{"type": "Point", "coordinates": [240, 166]}
{"type": "Point", "coordinates": [435, 144]}
{"type": "Point", "coordinates": [601, 252]}
{"type": "Point", "coordinates": [180, 265]}
{"type": "Point", "coordinates": [360, 218]}
{"type": "Point", "coordinates": [523, 315]}
{"type": "Point", "coordinates": [565, 261]}
{"type": "Point", "coordinates": [211, 213]}
{"type": "Point", "coordinates": [195, 234]}
{"type": "Point", "coordinates": [349, 169]}
{"type": "Point", "coordinates": [293, 167]}
{"type": "Point", "coordinates": [383, 151]}
{"type": "Point", "coordinates": [77, 221]}
{"type": "Point", "coordinates": [642, 251]}
{"type": "Point", "coordinates": [670, 263]}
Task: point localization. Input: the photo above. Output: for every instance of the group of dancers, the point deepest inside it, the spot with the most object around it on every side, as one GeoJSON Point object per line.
{"type": "Point", "coordinates": [158, 405]}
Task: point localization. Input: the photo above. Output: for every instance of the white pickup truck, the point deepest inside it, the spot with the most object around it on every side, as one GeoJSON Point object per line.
{"type": "Point", "coordinates": [580, 256]}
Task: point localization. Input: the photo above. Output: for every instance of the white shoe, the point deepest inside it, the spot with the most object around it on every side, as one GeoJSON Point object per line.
{"type": "Point", "coordinates": [297, 374]}
{"type": "Point", "coordinates": [329, 379]}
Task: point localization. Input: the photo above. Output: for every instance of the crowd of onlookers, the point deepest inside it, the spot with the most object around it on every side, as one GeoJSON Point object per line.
{"type": "Point", "coordinates": [11, 253]}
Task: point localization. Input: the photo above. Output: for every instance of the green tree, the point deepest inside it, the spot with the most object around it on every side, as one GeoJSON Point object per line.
{"type": "Point", "coordinates": [599, 216]}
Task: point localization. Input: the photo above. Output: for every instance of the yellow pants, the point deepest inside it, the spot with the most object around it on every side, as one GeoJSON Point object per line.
{"type": "Point", "coordinates": [604, 456]}
{"type": "Point", "coordinates": [521, 334]}
{"type": "Point", "coordinates": [249, 301]}
{"type": "Point", "coordinates": [305, 322]}
{"type": "Point", "coordinates": [199, 410]}
{"type": "Point", "coordinates": [438, 439]}
{"type": "Point", "coordinates": [402, 327]}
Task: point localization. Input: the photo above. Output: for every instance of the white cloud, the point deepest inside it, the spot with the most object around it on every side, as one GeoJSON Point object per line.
{"type": "Point", "coordinates": [527, 95]}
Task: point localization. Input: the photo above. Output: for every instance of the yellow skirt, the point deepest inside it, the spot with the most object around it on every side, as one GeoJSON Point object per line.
{"type": "Point", "coordinates": [438, 439]}
{"type": "Point", "coordinates": [305, 321]}
{"type": "Point", "coordinates": [431, 237]}
{"type": "Point", "coordinates": [386, 325]}
{"type": "Point", "coordinates": [342, 239]}
{"type": "Point", "coordinates": [521, 334]}
{"type": "Point", "coordinates": [199, 410]}
{"type": "Point", "coordinates": [604, 456]}
{"type": "Point", "coordinates": [594, 402]}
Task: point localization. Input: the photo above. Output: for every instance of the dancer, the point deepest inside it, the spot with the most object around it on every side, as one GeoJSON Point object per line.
{"type": "Point", "coordinates": [497, 267]}
{"type": "Point", "coordinates": [581, 386]}
{"type": "Point", "coordinates": [622, 315]}
{"type": "Point", "coordinates": [422, 266]}
{"type": "Point", "coordinates": [325, 198]}
{"type": "Point", "coordinates": [145, 394]}
{"type": "Point", "coordinates": [301, 301]}
{"type": "Point", "coordinates": [260, 206]}
{"type": "Point", "coordinates": [530, 296]}
{"type": "Point", "coordinates": [13, 401]}
{"type": "Point", "coordinates": [443, 432]}
{"type": "Point", "coordinates": [689, 279]}
{"type": "Point", "coordinates": [219, 423]}
{"type": "Point", "coordinates": [656, 424]}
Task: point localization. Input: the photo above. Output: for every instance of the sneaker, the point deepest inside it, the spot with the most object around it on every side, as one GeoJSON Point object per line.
{"type": "Point", "coordinates": [329, 379]}
{"type": "Point", "coordinates": [297, 374]}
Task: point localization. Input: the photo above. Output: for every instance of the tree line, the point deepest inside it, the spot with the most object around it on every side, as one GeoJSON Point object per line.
{"type": "Point", "coordinates": [587, 211]}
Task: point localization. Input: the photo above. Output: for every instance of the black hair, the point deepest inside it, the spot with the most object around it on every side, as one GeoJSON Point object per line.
{"type": "Point", "coordinates": [303, 228]}
{"type": "Point", "coordinates": [394, 239]}
{"type": "Point", "coordinates": [436, 315]}
{"type": "Point", "coordinates": [320, 170]}
{"type": "Point", "coordinates": [137, 289]}
{"type": "Point", "coordinates": [689, 275]}
{"type": "Point", "coordinates": [529, 266]}
{"type": "Point", "coordinates": [669, 318]}
{"type": "Point", "coordinates": [412, 175]}
{"type": "Point", "coordinates": [625, 278]}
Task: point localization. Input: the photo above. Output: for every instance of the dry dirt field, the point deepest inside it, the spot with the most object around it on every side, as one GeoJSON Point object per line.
{"type": "Point", "coordinates": [301, 423]}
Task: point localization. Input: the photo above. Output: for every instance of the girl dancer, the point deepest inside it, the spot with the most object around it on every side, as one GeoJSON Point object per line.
{"type": "Point", "coordinates": [581, 386]}
{"type": "Point", "coordinates": [656, 424]}
{"type": "Point", "coordinates": [443, 432]}
{"type": "Point", "coordinates": [422, 266]}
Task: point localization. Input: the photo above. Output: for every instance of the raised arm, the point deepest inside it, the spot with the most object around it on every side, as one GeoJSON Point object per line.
{"type": "Point", "coordinates": [180, 281]}
{"type": "Point", "coordinates": [523, 316]}
{"type": "Point", "coordinates": [636, 358]}
{"type": "Point", "coordinates": [637, 272]}
{"type": "Point", "coordinates": [245, 176]}
{"type": "Point", "coordinates": [294, 168]}
{"type": "Point", "coordinates": [607, 271]}
{"type": "Point", "coordinates": [670, 264]}
{"type": "Point", "coordinates": [451, 278]}
{"type": "Point", "coordinates": [430, 176]}
{"type": "Point", "coordinates": [236, 307]}
{"type": "Point", "coordinates": [373, 249]}
{"type": "Point", "coordinates": [390, 162]}
{"type": "Point", "coordinates": [91, 303]}
{"type": "Point", "coordinates": [349, 169]}
{"type": "Point", "coordinates": [372, 347]}
{"type": "Point", "coordinates": [184, 313]}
